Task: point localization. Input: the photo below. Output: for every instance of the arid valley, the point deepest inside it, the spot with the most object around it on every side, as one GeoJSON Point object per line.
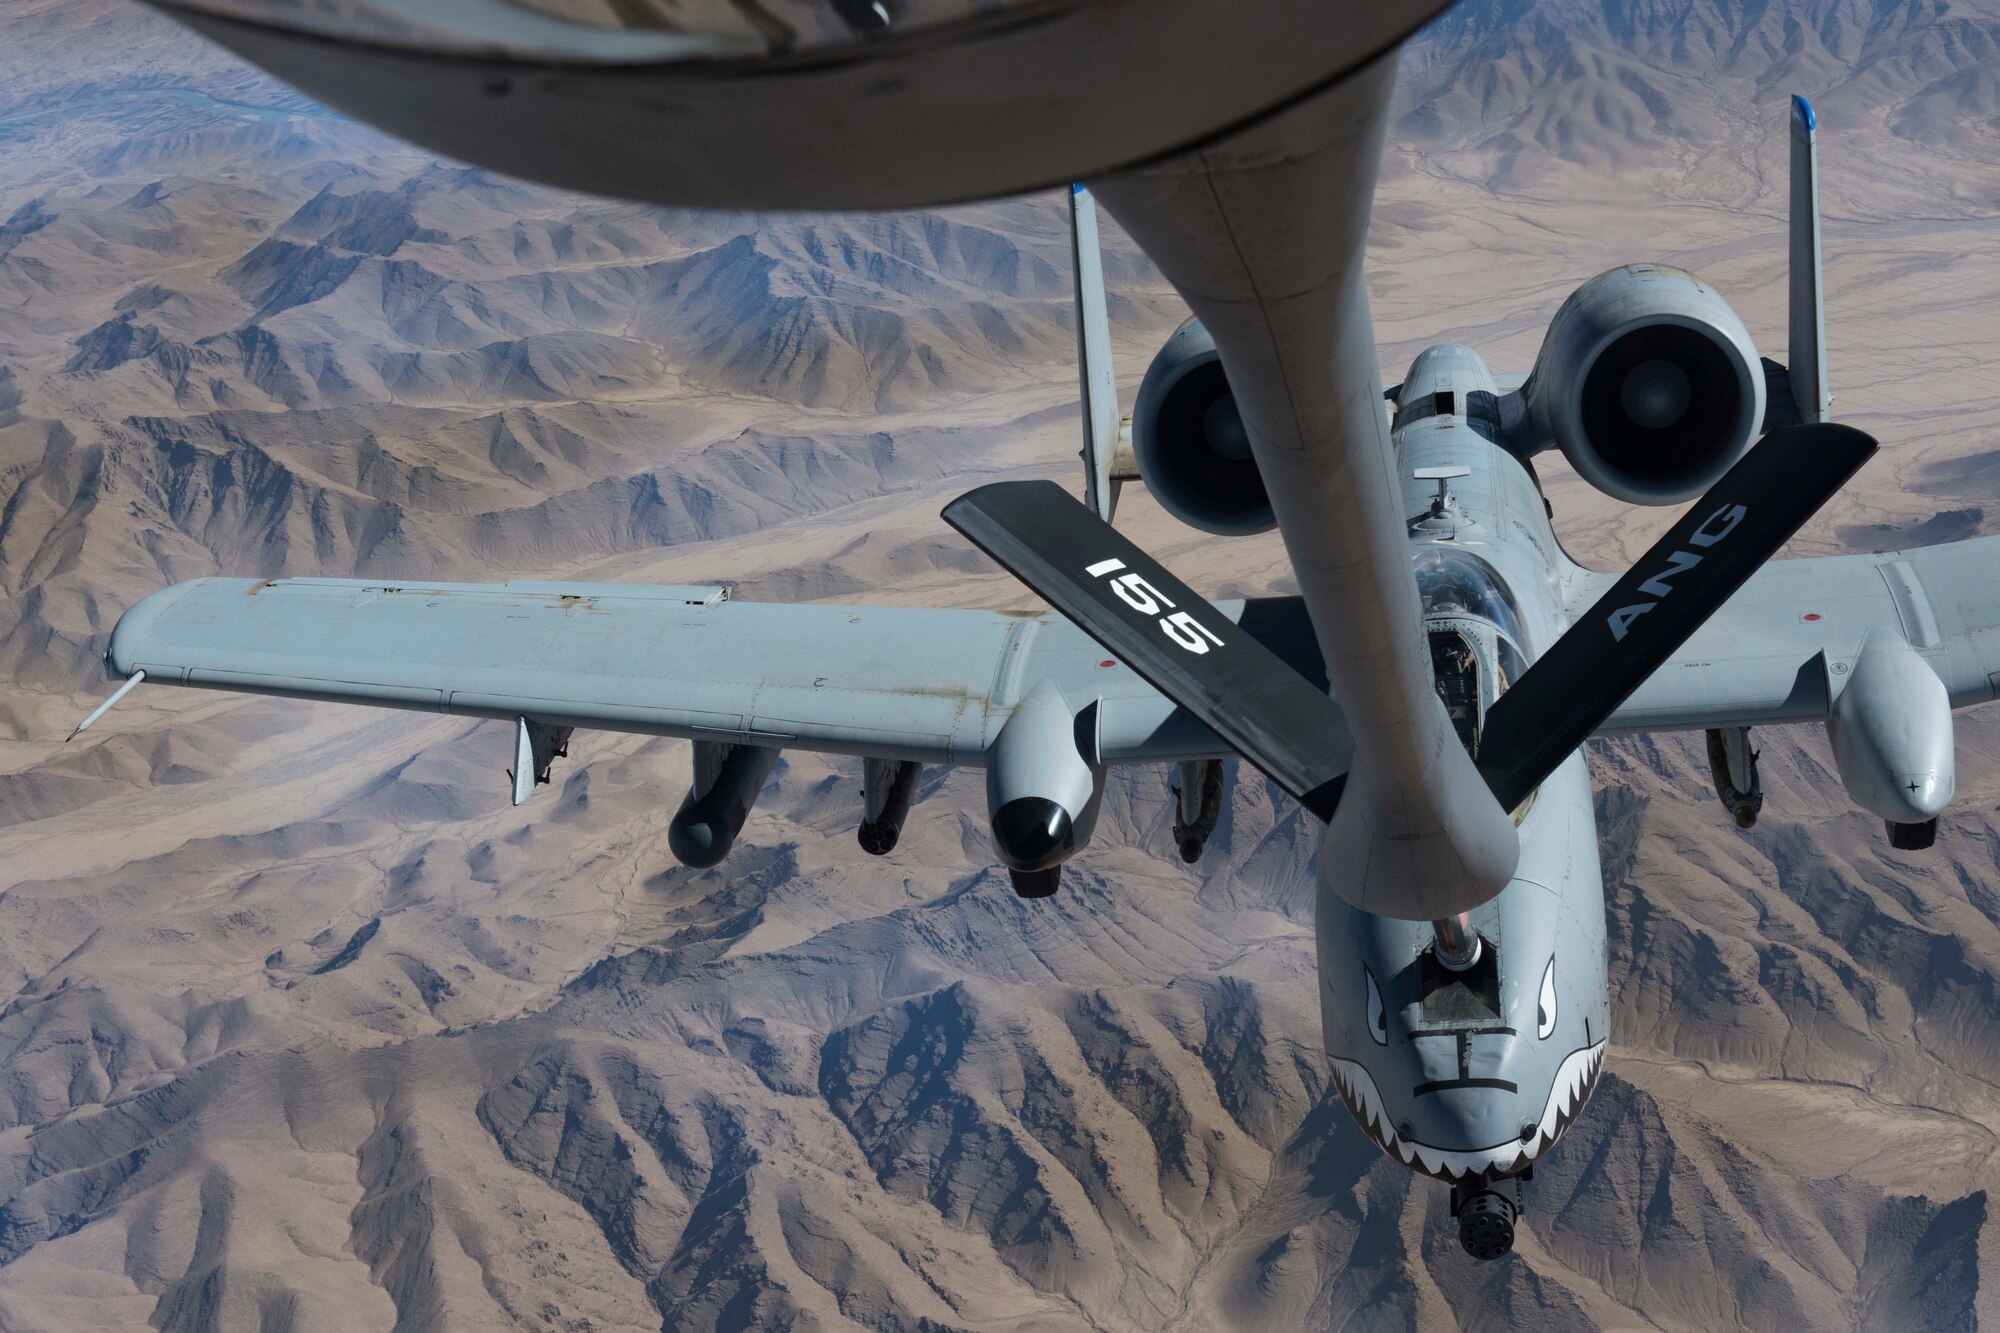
{"type": "Point", "coordinates": [304, 1027]}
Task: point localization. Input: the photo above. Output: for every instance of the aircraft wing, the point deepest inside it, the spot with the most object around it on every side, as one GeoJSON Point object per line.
{"type": "Point", "coordinates": [932, 686]}
{"type": "Point", "coordinates": [1776, 650]}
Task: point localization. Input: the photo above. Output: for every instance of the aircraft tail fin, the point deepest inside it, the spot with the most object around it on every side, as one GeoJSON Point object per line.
{"type": "Point", "coordinates": [1093, 338]}
{"type": "Point", "coordinates": [1807, 352]}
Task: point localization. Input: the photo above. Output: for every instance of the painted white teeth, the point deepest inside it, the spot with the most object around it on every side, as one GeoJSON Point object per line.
{"type": "Point", "coordinates": [1574, 1079]}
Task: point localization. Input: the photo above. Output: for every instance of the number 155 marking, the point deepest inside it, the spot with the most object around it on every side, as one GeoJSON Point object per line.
{"type": "Point", "coordinates": [1143, 597]}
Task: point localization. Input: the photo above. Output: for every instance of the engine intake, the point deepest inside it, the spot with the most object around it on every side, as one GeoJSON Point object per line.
{"type": "Point", "coordinates": [1190, 442]}
{"type": "Point", "coordinates": [1648, 383]}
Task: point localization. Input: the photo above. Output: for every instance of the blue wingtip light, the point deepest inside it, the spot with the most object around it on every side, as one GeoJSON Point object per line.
{"type": "Point", "coordinates": [1803, 120]}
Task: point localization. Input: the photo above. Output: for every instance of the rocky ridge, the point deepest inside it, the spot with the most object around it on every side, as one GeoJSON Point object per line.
{"type": "Point", "coordinates": [305, 1027]}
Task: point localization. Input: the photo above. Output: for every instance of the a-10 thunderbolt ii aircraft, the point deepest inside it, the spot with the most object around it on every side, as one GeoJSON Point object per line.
{"type": "Point", "coordinates": [1427, 692]}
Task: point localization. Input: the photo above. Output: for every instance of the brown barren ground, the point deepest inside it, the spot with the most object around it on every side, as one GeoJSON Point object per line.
{"type": "Point", "coordinates": [305, 1028]}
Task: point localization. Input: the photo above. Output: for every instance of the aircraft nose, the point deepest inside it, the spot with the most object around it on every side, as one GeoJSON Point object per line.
{"type": "Point", "coordinates": [1033, 833]}
{"type": "Point", "coordinates": [1467, 1094]}
{"type": "Point", "coordinates": [1460, 1060]}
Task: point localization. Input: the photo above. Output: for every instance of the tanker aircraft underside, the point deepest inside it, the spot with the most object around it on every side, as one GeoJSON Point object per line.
{"type": "Point", "coordinates": [1425, 695]}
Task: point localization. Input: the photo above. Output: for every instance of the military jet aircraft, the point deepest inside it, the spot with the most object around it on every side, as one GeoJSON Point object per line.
{"type": "Point", "coordinates": [1426, 694]}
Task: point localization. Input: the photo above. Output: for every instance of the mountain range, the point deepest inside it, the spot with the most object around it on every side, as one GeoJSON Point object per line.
{"type": "Point", "coordinates": [304, 1027]}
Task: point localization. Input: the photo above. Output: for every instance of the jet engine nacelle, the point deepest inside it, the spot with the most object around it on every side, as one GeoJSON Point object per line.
{"type": "Point", "coordinates": [1648, 383]}
{"type": "Point", "coordinates": [1042, 794]}
{"type": "Point", "coordinates": [1190, 443]}
{"type": "Point", "coordinates": [1891, 734]}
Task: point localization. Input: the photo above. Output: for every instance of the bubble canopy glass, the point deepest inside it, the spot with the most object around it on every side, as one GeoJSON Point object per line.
{"type": "Point", "coordinates": [1455, 582]}
{"type": "Point", "coordinates": [807, 103]}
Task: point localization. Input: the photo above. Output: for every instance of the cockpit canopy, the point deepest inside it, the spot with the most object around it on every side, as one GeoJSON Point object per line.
{"type": "Point", "coordinates": [1452, 581]}
{"type": "Point", "coordinates": [1474, 628]}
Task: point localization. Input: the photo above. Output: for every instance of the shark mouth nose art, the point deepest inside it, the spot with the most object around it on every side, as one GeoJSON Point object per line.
{"type": "Point", "coordinates": [1574, 1082]}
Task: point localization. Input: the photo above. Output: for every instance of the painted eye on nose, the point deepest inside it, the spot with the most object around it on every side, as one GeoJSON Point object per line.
{"type": "Point", "coordinates": [1545, 1005]}
{"type": "Point", "coordinates": [1378, 1017]}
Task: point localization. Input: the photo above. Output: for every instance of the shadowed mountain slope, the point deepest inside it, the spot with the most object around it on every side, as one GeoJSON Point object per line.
{"type": "Point", "coordinates": [304, 1027]}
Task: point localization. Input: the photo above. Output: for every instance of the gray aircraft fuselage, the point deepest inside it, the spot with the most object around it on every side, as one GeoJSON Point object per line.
{"type": "Point", "coordinates": [1479, 1070]}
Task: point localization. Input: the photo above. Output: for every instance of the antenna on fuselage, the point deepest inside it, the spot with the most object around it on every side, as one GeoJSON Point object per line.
{"type": "Point", "coordinates": [1444, 477]}
{"type": "Point", "coordinates": [1807, 351]}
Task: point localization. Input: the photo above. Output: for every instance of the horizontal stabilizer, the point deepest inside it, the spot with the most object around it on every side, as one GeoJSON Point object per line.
{"type": "Point", "coordinates": [1662, 600]}
{"type": "Point", "coordinates": [1163, 630]}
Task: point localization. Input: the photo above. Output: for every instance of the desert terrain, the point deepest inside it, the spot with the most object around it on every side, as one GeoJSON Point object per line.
{"type": "Point", "coordinates": [303, 1027]}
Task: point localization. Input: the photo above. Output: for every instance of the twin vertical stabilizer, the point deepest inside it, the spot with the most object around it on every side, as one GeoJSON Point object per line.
{"type": "Point", "coordinates": [1107, 434]}
{"type": "Point", "coordinates": [1807, 352]}
{"type": "Point", "coordinates": [1093, 340]}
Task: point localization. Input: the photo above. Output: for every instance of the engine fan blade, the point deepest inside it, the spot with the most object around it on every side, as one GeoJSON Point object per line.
{"type": "Point", "coordinates": [1162, 629]}
{"type": "Point", "coordinates": [1662, 600]}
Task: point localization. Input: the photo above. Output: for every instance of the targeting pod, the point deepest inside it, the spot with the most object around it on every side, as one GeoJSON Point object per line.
{"type": "Point", "coordinates": [1042, 793]}
{"type": "Point", "coordinates": [727, 779]}
{"type": "Point", "coordinates": [1732, 766]}
{"type": "Point", "coordinates": [1892, 742]}
{"type": "Point", "coordinates": [1197, 805]}
{"type": "Point", "coordinates": [888, 786]}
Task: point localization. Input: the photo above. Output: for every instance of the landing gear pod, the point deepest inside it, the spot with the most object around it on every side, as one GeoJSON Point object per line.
{"type": "Point", "coordinates": [888, 786]}
{"type": "Point", "coordinates": [1892, 742]}
{"type": "Point", "coordinates": [1042, 794]}
{"type": "Point", "coordinates": [727, 779]}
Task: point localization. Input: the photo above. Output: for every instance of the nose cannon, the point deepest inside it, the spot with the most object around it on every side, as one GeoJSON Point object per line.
{"type": "Point", "coordinates": [1487, 1211]}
